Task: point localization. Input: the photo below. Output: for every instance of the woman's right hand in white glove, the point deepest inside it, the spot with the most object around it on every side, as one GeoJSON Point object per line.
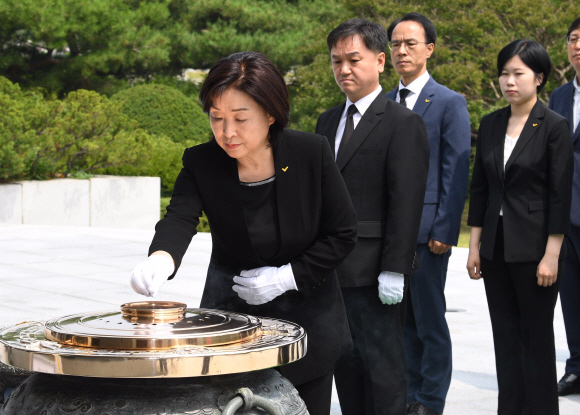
{"type": "Point", "coordinates": [149, 275]}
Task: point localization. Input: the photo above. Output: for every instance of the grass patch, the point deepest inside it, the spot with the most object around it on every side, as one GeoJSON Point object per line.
{"type": "Point", "coordinates": [203, 223]}
{"type": "Point", "coordinates": [465, 230]}
{"type": "Point", "coordinates": [164, 204]}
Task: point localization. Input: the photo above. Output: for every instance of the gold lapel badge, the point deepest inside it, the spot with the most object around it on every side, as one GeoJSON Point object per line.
{"type": "Point", "coordinates": [426, 100]}
{"type": "Point", "coordinates": [284, 168]}
{"type": "Point", "coordinates": [533, 125]}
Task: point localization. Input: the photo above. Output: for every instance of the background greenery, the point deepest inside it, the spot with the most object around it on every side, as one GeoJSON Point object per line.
{"type": "Point", "coordinates": [97, 86]}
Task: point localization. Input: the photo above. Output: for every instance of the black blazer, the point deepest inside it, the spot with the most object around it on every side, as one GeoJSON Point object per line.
{"type": "Point", "coordinates": [535, 190]}
{"type": "Point", "coordinates": [317, 229]}
{"type": "Point", "coordinates": [385, 167]}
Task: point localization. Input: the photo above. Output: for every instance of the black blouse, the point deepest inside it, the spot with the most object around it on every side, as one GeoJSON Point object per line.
{"type": "Point", "coordinates": [261, 211]}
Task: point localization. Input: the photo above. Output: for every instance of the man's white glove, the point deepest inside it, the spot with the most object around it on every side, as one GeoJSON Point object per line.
{"type": "Point", "coordinates": [149, 275]}
{"type": "Point", "coordinates": [391, 286]}
{"type": "Point", "coordinates": [261, 285]}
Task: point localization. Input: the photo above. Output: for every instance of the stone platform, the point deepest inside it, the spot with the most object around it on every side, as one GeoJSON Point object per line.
{"type": "Point", "coordinates": [50, 271]}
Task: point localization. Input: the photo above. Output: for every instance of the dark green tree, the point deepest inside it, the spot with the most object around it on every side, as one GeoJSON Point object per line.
{"type": "Point", "coordinates": [470, 35]}
{"type": "Point", "coordinates": [64, 45]}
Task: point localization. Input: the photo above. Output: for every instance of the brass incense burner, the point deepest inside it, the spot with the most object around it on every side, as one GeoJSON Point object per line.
{"type": "Point", "coordinates": [152, 339]}
{"type": "Point", "coordinates": [150, 357]}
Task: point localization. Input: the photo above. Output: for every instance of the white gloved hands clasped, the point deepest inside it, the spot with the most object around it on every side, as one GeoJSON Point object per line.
{"type": "Point", "coordinates": [261, 285]}
{"type": "Point", "coordinates": [391, 287]}
{"type": "Point", "coordinates": [149, 275]}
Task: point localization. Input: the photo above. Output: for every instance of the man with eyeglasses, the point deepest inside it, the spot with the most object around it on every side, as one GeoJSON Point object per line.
{"type": "Point", "coordinates": [427, 341]}
{"type": "Point", "coordinates": [565, 100]}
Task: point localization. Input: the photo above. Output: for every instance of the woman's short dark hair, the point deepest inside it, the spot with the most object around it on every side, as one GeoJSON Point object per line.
{"type": "Point", "coordinates": [254, 74]}
{"type": "Point", "coordinates": [575, 25]}
{"type": "Point", "coordinates": [428, 26]}
{"type": "Point", "coordinates": [373, 34]}
{"type": "Point", "coordinates": [531, 53]}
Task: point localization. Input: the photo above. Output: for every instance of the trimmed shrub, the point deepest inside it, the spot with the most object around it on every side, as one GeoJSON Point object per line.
{"type": "Point", "coordinates": [17, 138]}
{"type": "Point", "coordinates": [88, 132]}
{"type": "Point", "coordinates": [84, 132]}
{"type": "Point", "coordinates": [163, 160]}
{"type": "Point", "coordinates": [163, 110]}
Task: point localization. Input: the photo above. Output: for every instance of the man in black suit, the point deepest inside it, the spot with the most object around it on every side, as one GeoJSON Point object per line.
{"type": "Point", "coordinates": [382, 151]}
{"type": "Point", "coordinates": [565, 100]}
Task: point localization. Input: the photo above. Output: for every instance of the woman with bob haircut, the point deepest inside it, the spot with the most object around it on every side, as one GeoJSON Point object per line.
{"type": "Point", "coordinates": [519, 212]}
{"type": "Point", "coordinates": [280, 215]}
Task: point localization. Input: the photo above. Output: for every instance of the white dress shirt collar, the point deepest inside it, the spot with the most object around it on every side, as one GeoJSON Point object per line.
{"type": "Point", "coordinates": [415, 87]}
{"type": "Point", "coordinates": [576, 107]}
{"type": "Point", "coordinates": [362, 105]}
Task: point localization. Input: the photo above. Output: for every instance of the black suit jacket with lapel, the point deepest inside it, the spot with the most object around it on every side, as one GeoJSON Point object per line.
{"type": "Point", "coordinates": [562, 101]}
{"type": "Point", "coordinates": [317, 229]}
{"type": "Point", "coordinates": [535, 189]}
{"type": "Point", "coordinates": [385, 168]}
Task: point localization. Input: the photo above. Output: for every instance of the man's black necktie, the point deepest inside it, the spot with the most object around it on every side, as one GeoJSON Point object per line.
{"type": "Point", "coordinates": [349, 127]}
{"type": "Point", "coordinates": [403, 95]}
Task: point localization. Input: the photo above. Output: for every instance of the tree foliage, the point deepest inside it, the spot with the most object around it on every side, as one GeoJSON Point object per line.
{"type": "Point", "coordinates": [85, 132]}
{"type": "Point", "coordinates": [285, 31]}
{"type": "Point", "coordinates": [163, 110]}
{"type": "Point", "coordinates": [59, 46]}
{"type": "Point", "coordinates": [470, 35]}
{"type": "Point", "coordinates": [17, 129]}
{"type": "Point", "coordinates": [64, 45]}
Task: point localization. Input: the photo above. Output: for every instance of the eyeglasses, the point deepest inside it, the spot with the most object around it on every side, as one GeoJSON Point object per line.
{"type": "Point", "coordinates": [409, 44]}
{"type": "Point", "coordinates": [572, 40]}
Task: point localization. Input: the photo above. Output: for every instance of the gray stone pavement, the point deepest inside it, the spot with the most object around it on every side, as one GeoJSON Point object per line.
{"type": "Point", "coordinates": [48, 271]}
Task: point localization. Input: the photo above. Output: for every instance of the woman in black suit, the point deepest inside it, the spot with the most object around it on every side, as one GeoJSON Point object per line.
{"type": "Point", "coordinates": [519, 212]}
{"type": "Point", "coordinates": [280, 216]}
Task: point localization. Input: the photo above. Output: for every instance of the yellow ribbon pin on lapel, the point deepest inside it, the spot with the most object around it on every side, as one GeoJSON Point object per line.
{"type": "Point", "coordinates": [426, 100]}
{"type": "Point", "coordinates": [533, 125]}
{"type": "Point", "coordinates": [284, 168]}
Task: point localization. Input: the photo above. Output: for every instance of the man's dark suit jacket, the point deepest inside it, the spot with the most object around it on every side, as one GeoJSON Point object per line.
{"type": "Point", "coordinates": [447, 120]}
{"type": "Point", "coordinates": [317, 230]}
{"type": "Point", "coordinates": [562, 101]}
{"type": "Point", "coordinates": [535, 191]}
{"type": "Point", "coordinates": [385, 168]}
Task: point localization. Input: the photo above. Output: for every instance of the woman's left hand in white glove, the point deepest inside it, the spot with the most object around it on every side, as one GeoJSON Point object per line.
{"type": "Point", "coordinates": [261, 285]}
{"type": "Point", "coordinates": [391, 287]}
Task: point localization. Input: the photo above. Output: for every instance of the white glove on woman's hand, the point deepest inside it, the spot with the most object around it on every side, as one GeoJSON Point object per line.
{"type": "Point", "coordinates": [149, 275]}
{"type": "Point", "coordinates": [391, 286]}
{"type": "Point", "coordinates": [261, 285]}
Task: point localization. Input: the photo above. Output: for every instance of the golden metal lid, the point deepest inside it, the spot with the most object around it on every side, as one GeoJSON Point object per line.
{"type": "Point", "coordinates": [152, 339]}
{"type": "Point", "coordinates": [152, 325]}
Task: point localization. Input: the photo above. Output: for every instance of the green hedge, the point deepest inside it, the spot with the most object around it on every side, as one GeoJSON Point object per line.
{"type": "Point", "coordinates": [203, 222]}
{"type": "Point", "coordinates": [141, 132]}
{"type": "Point", "coordinates": [46, 138]}
{"type": "Point", "coordinates": [164, 111]}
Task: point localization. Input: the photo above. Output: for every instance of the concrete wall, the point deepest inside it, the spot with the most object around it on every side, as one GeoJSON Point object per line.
{"type": "Point", "coordinates": [63, 202]}
{"type": "Point", "coordinates": [125, 202]}
{"type": "Point", "coordinates": [103, 201]}
{"type": "Point", "coordinates": [11, 203]}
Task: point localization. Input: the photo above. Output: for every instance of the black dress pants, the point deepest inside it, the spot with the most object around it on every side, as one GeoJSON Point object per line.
{"type": "Point", "coordinates": [522, 319]}
{"type": "Point", "coordinates": [317, 394]}
{"type": "Point", "coordinates": [570, 299]}
{"type": "Point", "coordinates": [372, 378]}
